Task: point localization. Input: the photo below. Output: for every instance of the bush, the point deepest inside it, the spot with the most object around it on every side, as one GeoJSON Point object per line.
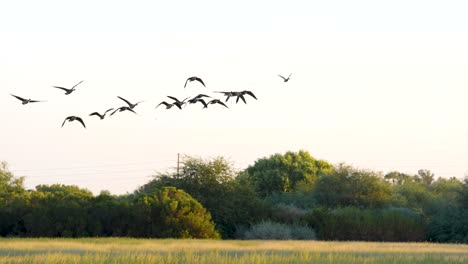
{"type": "Point", "coordinates": [351, 223]}
{"type": "Point", "coordinates": [276, 231]}
{"type": "Point", "coordinates": [288, 214]}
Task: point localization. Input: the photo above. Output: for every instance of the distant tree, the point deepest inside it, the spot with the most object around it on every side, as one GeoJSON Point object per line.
{"type": "Point", "coordinates": [174, 213]}
{"type": "Point", "coordinates": [285, 173]}
{"type": "Point", "coordinates": [231, 201]}
{"type": "Point", "coordinates": [345, 186]}
{"type": "Point", "coordinates": [425, 176]}
{"type": "Point", "coordinates": [398, 178]}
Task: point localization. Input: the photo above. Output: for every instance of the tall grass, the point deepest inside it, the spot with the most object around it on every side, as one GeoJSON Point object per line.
{"type": "Point", "coordinates": [122, 250]}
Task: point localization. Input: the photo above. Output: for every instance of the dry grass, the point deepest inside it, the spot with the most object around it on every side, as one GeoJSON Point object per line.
{"type": "Point", "coordinates": [124, 250]}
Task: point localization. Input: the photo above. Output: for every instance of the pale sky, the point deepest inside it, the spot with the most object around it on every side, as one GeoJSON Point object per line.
{"type": "Point", "coordinates": [381, 85]}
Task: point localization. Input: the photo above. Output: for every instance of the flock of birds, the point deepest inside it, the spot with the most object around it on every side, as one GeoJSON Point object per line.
{"type": "Point", "coordinates": [176, 102]}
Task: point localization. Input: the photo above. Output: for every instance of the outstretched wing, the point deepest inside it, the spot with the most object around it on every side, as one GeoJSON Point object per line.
{"type": "Point", "coordinates": [289, 75]}
{"type": "Point", "coordinates": [129, 104]}
{"type": "Point", "coordinates": [241, 97]}
{"type": "Point", "coordinates": [163, 102]}
{"type": "Point", "coordinates": [65, 120]}
{"type": "Point", "coordinates": [81, 121]}
{"type": "Point", "coordinates": [116, 110]}
{"type": "Point", "coordinates": [19, 98]}
{"type": "Point", "coordinates": [110, 109]}
{"type": "Point", "coordinates": [203, 102]}
{"type": "Point", "coordinates": [251, 94]}
{"type": "Point", "coordinates": [35, 101]}
{"type": "Point", "coordinates": [77, 84]}
{"type": "Point", "coordinates": [186, 82]}
{"type": "Point", "coordinates": [200, 80]}
{"type": "Point", "coordinates": [95, 113]}
{"type": "Point", "coordinates": [131, 110]}
{"type": "Point", "coordinates": [62, 88]}
{"type": "Point", "coordinates": [175, 99]}
{"type": "Point", "coordinates": [282, 77]}
{"type": "Point", "coordinates": [221, 103]}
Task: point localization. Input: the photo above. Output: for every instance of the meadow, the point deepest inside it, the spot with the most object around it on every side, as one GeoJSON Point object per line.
{"type": "Point", "coordinates": [125, 250]}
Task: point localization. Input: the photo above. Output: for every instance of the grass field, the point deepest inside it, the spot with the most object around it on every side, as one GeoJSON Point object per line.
{"type": "Point", "coordinates": [123, 250]}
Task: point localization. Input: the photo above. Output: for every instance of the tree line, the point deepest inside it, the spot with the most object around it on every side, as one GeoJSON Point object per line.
{"type": "Point", "coordinates": [283, 196]}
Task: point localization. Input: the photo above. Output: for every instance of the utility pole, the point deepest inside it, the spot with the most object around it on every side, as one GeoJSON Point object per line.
{"type": "Point", "coordinates": [178, 155]}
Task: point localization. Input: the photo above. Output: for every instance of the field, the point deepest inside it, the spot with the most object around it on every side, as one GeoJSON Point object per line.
{"type": "Point", "coordinates": [123, 250]}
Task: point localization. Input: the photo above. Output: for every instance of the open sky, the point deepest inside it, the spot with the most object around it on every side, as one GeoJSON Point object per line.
{"type": "Point", "coordinates": [381, 85]}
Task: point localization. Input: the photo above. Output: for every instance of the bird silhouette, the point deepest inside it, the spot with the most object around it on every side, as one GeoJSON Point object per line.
{"type": "Point", "coordinates": [103, 115]}
{"type": "Point", "coordinates": [25, 101]}
{"type": "Point", "coordinates": [285, 79]}
{"type": "Point", "coordinates": [228, 94]}
{"type": "Point", "coordinates": [123, 108]}
{"type": "Point", "coordinates": [168, 105]}
{"type": "Point", "coordinates": [194, 78]}
{"type": "Point", "coordinates": [68, 91]}
{"type": "Point", "coordinates": [177, 102]}
{"type": "Point", "coordinates": [74, 118]}
{"type": "Point", "coordinates": [196, 100]}
{"type": "Point", "coordinates": [241, 95]}
{"type": "Point", "coordinates": [129, 104]}
{"type": "Point", "coordinates": [215, 101]}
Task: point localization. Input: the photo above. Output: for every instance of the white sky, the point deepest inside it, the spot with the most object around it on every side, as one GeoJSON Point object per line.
{"type": "Point", "coordinates": [378, 84]}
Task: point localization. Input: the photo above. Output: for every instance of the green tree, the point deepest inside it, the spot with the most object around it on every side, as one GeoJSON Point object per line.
{"type": "Point", "coordinates": [285, 173]}
{"type": "Point", "coordinates": [345, 186]}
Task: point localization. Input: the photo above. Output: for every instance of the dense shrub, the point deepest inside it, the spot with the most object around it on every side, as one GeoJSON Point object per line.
{"type": "Point", "coordinates": [271, 230]}
{"type": "Point", "coordinates": [351, 223]}
{"type": "Point", "coordinates": [449, 225]}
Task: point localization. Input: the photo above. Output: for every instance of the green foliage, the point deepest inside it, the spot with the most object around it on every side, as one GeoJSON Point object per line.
{"type": "Point", "coordinates": [288, 214]}
{"type": "Point", "coordinates": [270, 230]}
{"type": "Point", "coordinates": [347, 186]}
{"type": "Point", "coordinates": [449, 224]}
{"type": "Point", "coordinates": [284, 173]}
{"type": "Point", "coordinates": [351, 223]}
{"type": "Point", "coordinates": [231, 201]}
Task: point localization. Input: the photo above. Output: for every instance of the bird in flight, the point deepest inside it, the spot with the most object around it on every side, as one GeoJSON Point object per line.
{"type": "Point", "coordinates": [103, 115]}
{"type": "Point", "coordinates": [123, 108]}
{"type": "Point", "coordinates": [228, 94]}
{"type": "Point", "coordinates": [194, 78]}
{"type": "Point", "coordinates": [196, 100]}
{"type": "Point", "coordinates": [25, 101]}
{"type": "Point", "coordinates": [74, 118]}
{"type": "Point", "coordinates": [67, 90]}
{"type": "Point", "coordinates": [285, 79]}
{"type": "Point", "coordinates": [215, 101]}
{"type": "Point", "coordinates": [177, 102]}
{"type": "Point", "coordinates": [129, 104]}
{"type": "Point", "coordinates": [168, 105]}
{"type": "Point", "coordinates": [241, 96]}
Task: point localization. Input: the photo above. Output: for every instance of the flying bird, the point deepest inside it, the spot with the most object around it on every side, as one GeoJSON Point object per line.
{"type": "Point", "coordinates": [241, 96]}
{"type": "Point", "coordinates": [201, 96]}
{"type": "Point", "coordinates": [123, 108]}
{"type": "Point", "coordinates": [285, 79]}
{"type": "Point", "coordinates": [215, 101]}
{"type": "Point", "coordinates": [168, 106]}
{"type": "Point", "coordinates": [25, 101]}
{"type": "Point", "coordinates": [196, 100]}
{"type": "Point", "coordinates": [228, 94]}
{"type": "Point", "coordinates": [68, 91]}
{"type": "Point", "coordinates": [103, 115]}
{"type": "Point", "coordinates": [74, 118]}
{"type": "Point", "coordinates": [177, 102]}
{"type": "Point", "coordinates": [194, 78]}
{"type": "Point", "coordinates": [129, 104]}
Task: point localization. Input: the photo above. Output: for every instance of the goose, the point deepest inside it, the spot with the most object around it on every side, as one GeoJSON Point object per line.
{"type": "Point", "coordinates": [228, 94]}
{"type": "Point", "coordinates": [103, 115]}
{"type": "Point", "coordinates": [201, 96]}
{"type": "Point", "coordinates": [74, 118]}
{"type": "Point", "coordinates": [168, 106]}
{"type": "Point", "coordinates": [177, 102]}
{"type": "Point", "coordinates": [129, 104]}
{"type": "Point", "coordinates": [194, 78]}
{"type": "Point", "coordinates": [123, 108]}
{"type": "Point", "coordinates": [25, 101]}
{"type": "Point", "coordinates": [68, 91]}
{"type": "Point", "coordinates": [215, 101]}
{"type": "Point", "coordinates": [241, 95]}
{"type": "Point", "coordinates": [285, 79]}
{"type": "Point", "coordinates": [196, 100]}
